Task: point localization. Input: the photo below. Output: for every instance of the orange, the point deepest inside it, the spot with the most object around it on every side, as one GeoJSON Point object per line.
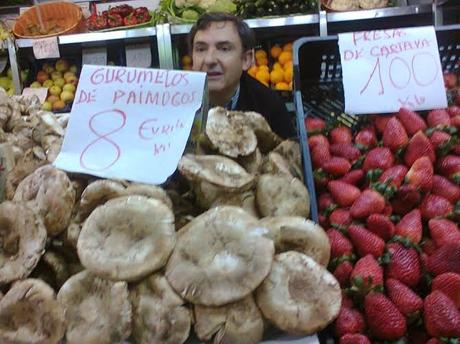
{"type": "Point", "coordinates": [277, 66]}
{"type": "Point", "coordinates": [287, 47]}
{"type": "Point", "coordinates": [262, 61]}
{"type": "Point", "coordinates": [260, 53]}
{"type": "Point", "coordinates": [276, 76]}
{"type": "Point", "coordinates": [264, 67]}
{"type": "Point", "coordinates": [284, 57]}
{"type": "Point", "coordinates": [288, 74]}
{"type": "Point", "coordinates": [252, 71]}
{"type": "Point", "coordinates": [186, 60]}
{"type": "Point", "coordinates": [263, 76]}
{"type": "Point", "coordinates": [288, 65]}
{"type": "Point", "coordinates": [275, 51]}
{"type": "Point", "coordinates": [282, 86]}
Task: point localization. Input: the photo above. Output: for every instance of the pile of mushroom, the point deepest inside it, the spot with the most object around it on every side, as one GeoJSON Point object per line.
{"type": "Point", "coordinates": [221, 251]}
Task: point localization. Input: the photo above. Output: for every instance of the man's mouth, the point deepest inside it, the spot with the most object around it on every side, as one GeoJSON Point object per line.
{"type": "Point", "coordinates": [213, 75]}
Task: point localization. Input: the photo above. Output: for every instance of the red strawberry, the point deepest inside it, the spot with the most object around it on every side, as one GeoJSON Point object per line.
{"type": "Point", "coordinates": [388, 210]}
{"type": "Point", "coordinates": [380, 225]}
{"type": "Point", "coordinates": [449, 165]}
{"type": "Point", "coordinates": [410, 226]}
{"type": "Point", "coordinates": [336, 166]}
{"type": "Point", "coordinates": [445, 259]}
{"type": "Point", "coordinates": [354, 338]}
{"type": "Point", "coordinates": [433, 206]}
{"type": "Point", "coordinates": [345, 150]}
{"type": "Point", "coordinates": [349, 320]}
{"type": "Point", "coordinates": [380, 122]}
{"type": "Point", "coordinates": [420, 174]}
{"type": "Point", "coordinates": [450, 80]}
{"type": "Point", "coordinates": [455, 121]}
{"type": "Point", "coordinates": [340, 245]}
{"type": "Point", "coordinates": [453, 110]}
{"type": "Point", "coordinates": [406, 199]}
{"type": "Point", "coordinates": [325, 201]}
{"type": "Point", "coordinates": [354, 177]}
{"type": "Point", "coordinates": [318, 140]}
{"type": "Point", "coordinates": [439, 137]}
{"type": "Point", "coordinates": [445, 188]}
{"type": "Point", "coordinates": [314, 124]}
{"type": "Point", "coordinates": [365, 242]}
{"type": "Point", "coordinates": [441, 316]}
{"type": "Point", "coordinates": [428, 246]}
{"type": "Point", "coordinates": [443, 232]}
{"type": "Point", "coordinates": [323, 221]}
{"type": "Point", "coordinates": [366, 138]}
{"type": "Point", "coordinates": [380, 157]}
{"type": "Point", "coordinates": [438, 117]}
{"type": "Point", "coordinates": [369, 202]}
{"type": "Point", "coordinates": [411, 121]}
{"type": "Point", "coordinates": [344, 194]}
{"type": "Point", "coordinates": [394, 135]}
{"type": "Point", "coordinates": [433, 341]}
{"type": "Point", "coordinates": [341, 134]}
{"type": "Point", "coordinates": [394, 174]}
{"type": "Point", "coordinates": [449, 284]}
{"type": "Point", "coordinates": [419, 145]}
{"type": "Point", "coordinates": [384, 319]}
{"type": "Point", "coordinates": [319, 155]}
{"type": "Point", "coordinates": [404, 264]}
{"type": "Point", "coordinates": [368, 271]}
{"type": "Point", "coordinates": [405, 299]}
{"type": "Point", "coordinates": [340, 217]}
{"type": "Point", "coordinates": [342, 273]}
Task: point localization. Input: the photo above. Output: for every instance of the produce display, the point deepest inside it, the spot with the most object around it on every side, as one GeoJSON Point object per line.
{"type": "Point", "coordinates": [118, 17]}
{"type": "Point", "coordinates": [264, 8]}
{"type": "Point", "coordinates": [350, 5]}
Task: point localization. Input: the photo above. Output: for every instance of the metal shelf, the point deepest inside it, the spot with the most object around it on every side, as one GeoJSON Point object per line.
{"type": "Point", "coordinates": [334, 17]}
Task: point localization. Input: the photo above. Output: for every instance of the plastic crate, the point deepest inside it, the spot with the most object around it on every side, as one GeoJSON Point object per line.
{"type": "Point", "coordinates": [318, 89]}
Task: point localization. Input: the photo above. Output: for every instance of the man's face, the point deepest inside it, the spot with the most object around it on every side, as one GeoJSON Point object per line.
{"type": "Point", "coordinates": [218, 51]}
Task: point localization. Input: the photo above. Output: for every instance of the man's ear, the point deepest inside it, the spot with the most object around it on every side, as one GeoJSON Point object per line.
{"type": "Point", "coordinates": [248, 59]}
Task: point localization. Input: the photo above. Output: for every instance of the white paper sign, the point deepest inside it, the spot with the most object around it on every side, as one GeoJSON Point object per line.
{"type": "Point", "coordinates": [40, 92]}
{"type": "Point", "coordinates": [45, 48]}
{"type": "Point", "coordinates": [94, 56]}
{"type": "Point", "coordinates": [130, 123]}
{"type": "Point", "coordinates": [384, 70]}
{"type": "Point", "coordinates": [138, 55]}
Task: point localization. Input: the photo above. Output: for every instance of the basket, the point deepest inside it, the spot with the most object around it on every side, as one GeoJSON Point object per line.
{"type": "Point", "coordinates": [60, 17]}
{"type": "Point", "coordinates": [318, 89]}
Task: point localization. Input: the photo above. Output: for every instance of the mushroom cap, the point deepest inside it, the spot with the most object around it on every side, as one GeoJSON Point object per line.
{"type": "Point", "coordinates": [30, 314]}
{"type": "Point", "coordinates": [230, 134]}
{"type": "Point", "coordinates": [52, 194]}
{"type": "Point", "coordinates": [215, 169]}
{"type": "Point", "coordinates": [278, 195]}
{"type": "Point", "coordinates": [159, 314]}
{"type": "Point", "coordinates": [217, 259]}
{"type": "Point", "coordinates": [23, 239]}
{"type": "Point", "coordinates": [52, 269]}
{"type": "Point", "coordinates": [21, 170]}
{"type": "Point", "coordinates": [148, 190]}
{"type": "Point", "coordinates": [253, 162]}
{"type": "Point", "coordinates": [266, 138]}
{"type": "Point", "coordinates": [245, 200]}
{"type": "Point", "coordinates": [290, 150]}
{"type": "Point", "coordinates": [97, 311]}
{"type": "Point", "coordinates": [275, 163]}
{"type": "Point", "coordinates": [294, 233]}
{"type": "Point", "coordinates": [299, 296]}
{"type": "Point", "coordinates": [127, 238]}
{"type": "Point", "coordinates": [239, 322]}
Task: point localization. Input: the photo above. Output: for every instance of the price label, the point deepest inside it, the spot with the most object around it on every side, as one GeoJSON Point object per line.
{"type": "Point", "coordinates": [45, 48]}
{"type": "Point", "coordinates": [138, 55]}
{"type": "Point", "coordinates": [95, 56]}
{"type": "Point", "coordinates": [384, 70]}
{"type": "Point", "coordinates": [40, 92]}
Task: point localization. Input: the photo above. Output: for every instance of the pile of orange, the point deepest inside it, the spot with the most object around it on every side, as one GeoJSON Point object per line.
{"type": "Point", "coordinates": [186, 62]}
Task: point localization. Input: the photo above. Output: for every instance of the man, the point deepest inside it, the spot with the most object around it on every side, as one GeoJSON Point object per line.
{"type": "Point", "coordinates": [222, 46]}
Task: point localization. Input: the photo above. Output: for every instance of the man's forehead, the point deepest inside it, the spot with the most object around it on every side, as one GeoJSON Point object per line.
{"type": "Point", "coordinates": [218, 32]}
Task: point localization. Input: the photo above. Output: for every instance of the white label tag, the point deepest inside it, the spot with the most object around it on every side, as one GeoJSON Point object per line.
{"type": "Point", "coordinates": [94, 56]}
{"type": "Point", "coordinates": [138, 55]}
{"type": "Point", "coordinates": [40, 92]}
{"type": "Point", "coordinates": [45, 48]}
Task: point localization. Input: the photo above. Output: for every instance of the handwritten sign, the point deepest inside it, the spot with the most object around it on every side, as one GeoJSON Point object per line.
{"type": "Point", "coordinates": [94, 56]}
{"type": "Point", "coordinates": [138, 55]}
{"type": "Point", "coordinates": [40, 92]}
{"type": "Point", "coordinates": [130, 123]}
{"type": "Point", "coordinates": [45, 48]}
{"type": "Point", "coordinates": [384, 70]}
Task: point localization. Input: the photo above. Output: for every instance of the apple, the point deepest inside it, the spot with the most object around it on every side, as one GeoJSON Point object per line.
{"type": "Point", "coordinates": [59, 82]}
{"type": "Point", "coordinates": [62, 65]}
{"type": "Point", "coordinates": [72, 80]}
{"type": "Point", "coordinates": [67, 96]}
{"type": "Point", "coordinates": [9, 73]}
{"type": "Point", "coordinates": [42, 76]}
{"type": "Point", "coordinates": [58, 105]}
{"type": "Point", "coordinates": [68, 74]}
{"type": "Point", "coordinates": [56, 75]}
{"type": "Point", "coordinates": [47, 106]}
{"type": "Point", "coordinates": [10, 92]}
{"type": "Point", "coordinates": [52, 98]}
{"type": "Point", "coordinates": [74, 69]}
{"type": "Point", "coordinates": [4, 82]}
{"type": "Point", "coordinates": [48, 83]}
{"type": "Point", "coordinates": [55, 90]}
{"type": "Point", "coordinates": [69, 88]}
{"type": "Point", "coordinates": [35, 84]}
{"type": "Point", "coordinates": [24, 75]}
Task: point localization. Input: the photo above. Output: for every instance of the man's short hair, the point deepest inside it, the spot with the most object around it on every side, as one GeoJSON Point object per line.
{"type": "Point", "coordinates": [244, 31]}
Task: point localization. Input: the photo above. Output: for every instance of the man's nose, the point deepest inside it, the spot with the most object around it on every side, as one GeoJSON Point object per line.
{"type": "Point", "coordinates": [210, 56]}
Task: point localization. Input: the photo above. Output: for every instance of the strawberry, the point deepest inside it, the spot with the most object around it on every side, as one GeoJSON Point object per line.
{"type": "Point", "coordinates": [438, 138]}
{"type": "Point", "coordinates": [455, 121]}
{"type": "Point", "coordinates": [445, 188]}
{"type": "Point", "coordinates": [411, 121]}
{"type": "Point", "coordinates": [405, 299]}
{"type": "Point", "coordinates": [388, 210]}
{"type": "Point", "coordinates": [380, 122]}
{"type": "Point", "coordinates": [323, 221]}
{"type": "Point", "coordinates": [433, 341]}
{"type": "Point", "coordinates": [384, 319]}
{"type": "Point", "coordinates": [380, 225]}
{"type": "Point", "coordinates": [404, 264]}
{"type": "Point", "coordinates": [336, 166]}
{"type": "Point", "coordinates": [346, 300]}
{"type": "Point", "coordinates": [344, 194]}
{"type": "Point", "coordinates": [410, 226]}
{"type": "Point", "coordinates": [441, 316]}
{"type": "Point", "coordinates": [321, 178]}
{"type": "Point", "coordinates": [428, 246]}
{"type": "Point", "coordinates": [345, 150]}
{"type": "Point", "coordinates": [406, 199]}
{"type": "Point", "coordinates": [449, 166]}
{"type": "Point", "coordinates": [450, 80]}
{"type": "Point", "coordinates": [366, 138]}
{"type": "Point", "coordinates": [342, 273]}
{"type": "Point", "coordinates": [355, 338]}
{"type": "Point", "coordinates": [445, 259]}
{"type": "Point", "coordinates": [325, 201]}
{"type": "Point", "coordinates": [433, 206]}
{"type": "Point", "coordinates": [367, 273]}
{"type": "Point", "coordinates": [379, 157]}
{"type": "Point", "coordinates": [443, 232]}
{"type": "Point", "coordinates": [341, 134]}
{"type": "Point", "coordinates": [420, 174]}
{"type": "Point", "coordinates": [438, 117]}
{"type": "Point", "coordinates": [365, 242]}
{"type": "Point", "coordinates": [318, 140]}
{"type": "Point", "coordinates": [349, 320]}
{"type": "Point", "coordinates": [419, 145]}
{"type": "Point", "coordinates": [340, 217]}
{"type": "Point", "coordinates": [354, 177]}
{"type": "Point", "coordinates": [394, 175]}
{"type": "Point", "coordinates": [319, 155]}
{"type": "Point", "coordinates": [314, 124]}
{"type": "Point", "coordinates": [340, 245]}
{"type": "Point", "coordinates": [454, 110]}
{"type": "Point", "coordinates": [369, 202]}
{"type": "Point", "coordinates": [449, 284]}
{"type": "Point", "coordinates": [394, 135]}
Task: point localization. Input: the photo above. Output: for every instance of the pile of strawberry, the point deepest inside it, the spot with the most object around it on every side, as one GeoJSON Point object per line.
{"type": "Point", "coordinates": [389, 199]}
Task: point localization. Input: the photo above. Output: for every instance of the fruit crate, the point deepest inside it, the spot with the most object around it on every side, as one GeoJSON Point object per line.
{"type": "Point", "coordinates": [318, 89]}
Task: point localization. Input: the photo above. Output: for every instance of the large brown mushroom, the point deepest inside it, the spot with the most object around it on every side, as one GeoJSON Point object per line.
{"type": "Point", "coordinates": [266, 138]}
{"type": "Point", "coordinates": [299, 296]}
{"type": "Point", "coordinates": [217, 258]}
{"type": "Point", "coordinates": [148, 190]}
{"type": "Point", "coordinates": [290, 150]}
{"type": "Point", "coordinates": [127, 238]}
{"type": "Point", "coordinates": [97, 311]}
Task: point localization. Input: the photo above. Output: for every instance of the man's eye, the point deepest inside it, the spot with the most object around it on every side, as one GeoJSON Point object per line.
{"type": "Point", "coordinates": [225, 48]}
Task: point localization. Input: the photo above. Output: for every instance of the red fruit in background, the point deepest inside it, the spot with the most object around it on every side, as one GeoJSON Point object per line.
{"type": "Point", "coordinates": [410, 226]}
{"type": "Point", "coordinates": [381, 226]}
{"type": "Point", "coordinates": [343, 194]}
{"type": "Point", "coordinates": [379, 157]}
{"type": "Point", "coordinates": [454, 110]}
{"type": "Point", "coordinates": [411, 121]}
{"type": "Point", "coordinates": [325, 201]}
{"type": "Point", "coordinates": [428, 247]}
{"type": "Point", "coordinates": [455, 121]}
{"type": "Point", "coordinates": [365, 242]}
{"type": "Point", "coordinates": [448, 165]}
{"type": "Point", "coordinates": [336, 166]}
{"type": "Point", "coordinates": [318, 140]}
{"type": "Point", "coordinates": [354, 177]}
{"type": "Point", "coordinates": [314, 124]}
{"type": "Point", "coordinates": [404, 265]}
{"type": "Point", "coordinates": [443, 232]}
{"type": "Point", "coordinates": [419, 145]}
{"type": "Point", "coordinates": [450, 80]}
{"type": "Point", "coordinates": [406, 198]}
{"type": "Point", "coordinates": [340, 245]}
{"type": "Point", "coordinates": [323, 221]}
{"type": "Point", "coordinates": [457, 97]}
{"type": "Point", "coordinates": [404, 298]}
{"type": "Point", "coordinates": [445, 259]}
{"type": "Point", "coordinates": [368, 271]}
{"type": "Point", "coordinates": [369, 202]}
{"type": "Point", "coordinates": [438, 138]}
{"type": "Point", "coordinates": [438, 117]}
{"type": "Point", "coordinates": [449, 284]}
{"type": "Point", "coordinates": [366, 137]}
{"type": "Point", "coordinates": [433, 341]}
{"type": "Point", "coordinates": [441, 316]}
{"type": "Point", "coordinates": [445, 188]}
{"type": "Point", "coordinates": [319, 155]}
{"type": "Point", "coordinates": [394, 174]}
{"type": "Point", "coordinates": [342, 273]}
{"type": "Point", "coordinates": [394, 135]}
{"type": "Point", "coordinates": [340, 217]}
{"type": "Point", "coordinates": [349, 320]}
{"type": "Point", "coordinates": [341, 134]}
{"type": "Point", "coordinates": [384, 319]}
{"type": "Point", "coordinates": [355, 338]}
{"type": "Point", "coordinates": [345, 150]}
{"type": "Point", "coordinates": [380, 122]}
{"type": "Point", "coordinates": [433, 206]}
{"type": "Point", "coordinates": [420, 174]}
{"type": "Point", "coordinates": [388, 210]}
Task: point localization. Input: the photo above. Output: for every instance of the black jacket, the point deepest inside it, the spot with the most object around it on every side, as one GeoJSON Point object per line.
{"type": "Point", "coordinates": [254, 96]}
